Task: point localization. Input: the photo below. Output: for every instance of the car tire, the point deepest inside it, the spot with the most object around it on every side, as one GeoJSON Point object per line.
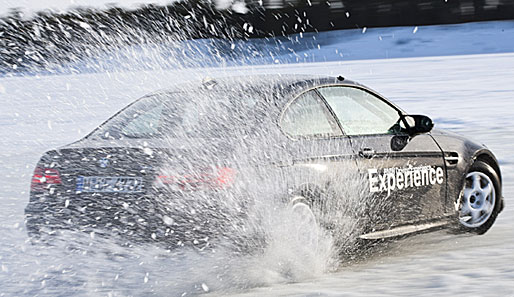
{"type": "Point", "coordinates": [480, 199]}
{"type": "Point", "coordinates": [307, 225]}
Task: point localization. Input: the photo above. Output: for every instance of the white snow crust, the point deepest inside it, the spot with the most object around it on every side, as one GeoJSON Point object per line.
{"type": "Point", "coordinates": [469, 94]}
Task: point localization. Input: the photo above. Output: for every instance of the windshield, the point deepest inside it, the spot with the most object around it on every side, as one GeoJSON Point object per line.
{"type": "Point", "coordinates": [176, 115]}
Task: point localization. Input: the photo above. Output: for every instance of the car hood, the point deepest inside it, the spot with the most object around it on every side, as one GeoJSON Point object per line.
{"type": "Point", "coordinates": [453, 144]}
{"type": "Point", "coordinates": [445, 138]}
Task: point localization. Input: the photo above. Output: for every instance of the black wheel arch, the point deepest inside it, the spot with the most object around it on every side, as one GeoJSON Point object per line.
{"type": "Point", "coordinates": [309, 191]}
{"type": "Point", "coordinates": [488, 157]}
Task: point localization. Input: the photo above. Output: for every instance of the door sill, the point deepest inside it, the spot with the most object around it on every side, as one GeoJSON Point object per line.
{"type": "Point", "coordinates": [403, 230]}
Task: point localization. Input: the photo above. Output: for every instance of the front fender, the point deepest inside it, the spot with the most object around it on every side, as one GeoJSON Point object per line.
{"type": "Point", "coordinates": [468, 152]}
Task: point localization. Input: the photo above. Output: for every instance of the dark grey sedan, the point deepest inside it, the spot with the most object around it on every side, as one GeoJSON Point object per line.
{"type": "Point", "coordinates": [187, 163]}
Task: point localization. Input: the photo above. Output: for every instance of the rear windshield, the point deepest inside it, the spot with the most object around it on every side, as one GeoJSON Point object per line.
{"type": "Point", "coordinates": [198, 115]}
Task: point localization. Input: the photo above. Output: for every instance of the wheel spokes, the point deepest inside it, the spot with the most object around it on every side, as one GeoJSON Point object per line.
{"type": "Point", "coordinates": [465, 210]}
{"type": "Point", "coordinates": [477, 201]}
{"type": "Point", "coordinates": [475, 215]}
{"type": "Point", "coordinates": [487, 206]}
{"type": "Point", "coordinates": [467, 194]}
{"type": "Point", "coordinates": [476, 182]}
{"type": "Point", "coordinates": [486, 191]}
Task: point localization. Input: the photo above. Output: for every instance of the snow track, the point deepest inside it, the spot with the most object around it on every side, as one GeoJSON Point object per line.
{"type": "Point", "coordinates": [472, 95]}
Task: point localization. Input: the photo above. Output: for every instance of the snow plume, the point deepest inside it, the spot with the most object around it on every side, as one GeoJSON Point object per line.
{"type": "Point", "coordinates": [223, 241]}
{"type": "Point", "coordinates": [247, 226]}
{"type": "Point", "coordinates": [237, 6]}
{"type": "Point", "coordinates": [72, 42]}
{"type": "Point", "coordinates": [181, 35]}
{"type": "Point", "coordinates": [223, 218]}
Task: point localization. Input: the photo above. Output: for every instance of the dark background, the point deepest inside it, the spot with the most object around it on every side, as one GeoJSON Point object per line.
{"type": "Point", "coordinates": [32, 43]}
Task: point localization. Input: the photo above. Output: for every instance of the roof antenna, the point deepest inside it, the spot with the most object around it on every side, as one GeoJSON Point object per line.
{"type": "Point", "coordinates": [209, 83]}
{"type": "Point", "coordinates": [340, 78]}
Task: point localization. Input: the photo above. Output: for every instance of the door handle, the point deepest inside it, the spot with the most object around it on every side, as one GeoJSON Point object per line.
{"type": "Point", "coordinates": [367, 152]}
{"type": "Point", "coordinates": [451, 158]}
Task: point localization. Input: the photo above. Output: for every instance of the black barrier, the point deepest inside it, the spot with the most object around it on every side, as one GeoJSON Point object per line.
{"type": "Point", "coordinates": [288, 17]}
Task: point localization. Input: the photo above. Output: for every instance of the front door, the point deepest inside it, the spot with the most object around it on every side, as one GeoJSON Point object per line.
{"type": "Point", "coordinates": [404, 175]}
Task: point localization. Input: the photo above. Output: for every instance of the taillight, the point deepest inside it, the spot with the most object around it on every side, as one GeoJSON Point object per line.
{"type": "Point", "coordinates": [222, 177]}
{"type": "Point", "coordinates": [43, 177]}
{"type": "Point", "coordinates": [225, 176]}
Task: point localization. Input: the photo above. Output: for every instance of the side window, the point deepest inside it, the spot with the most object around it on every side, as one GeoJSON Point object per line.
{"type": "Point", "coordinates": [307, 116]}
{"type": "Point", "coordinates": [142, 119]}
{"type": "Point", "coordinates": [360, 112]}
{"type": "Point", "coordinates": [144, 123]}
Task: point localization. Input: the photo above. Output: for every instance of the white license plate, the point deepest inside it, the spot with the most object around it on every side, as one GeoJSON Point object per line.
{"type": "Point", "coordinates": [109, 184]}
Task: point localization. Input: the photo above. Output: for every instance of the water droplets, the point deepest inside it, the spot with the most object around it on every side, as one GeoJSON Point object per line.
{"type": "Point", "coordinates": [148, 151]}
{"type": "Point", "coordinates": [85, 25]}
{"type": "Point", "coordinates": [168, 220]}
{"type": "Point", "coordinates": [205, 288]}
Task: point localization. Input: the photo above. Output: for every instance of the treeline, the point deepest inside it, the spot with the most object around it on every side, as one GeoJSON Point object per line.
{"type": "Point", "coordinates": [47, 40]}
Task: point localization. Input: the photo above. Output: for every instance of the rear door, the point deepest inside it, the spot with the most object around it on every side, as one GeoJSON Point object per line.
{"type": "Point", "coordinates": [323, 161]}
{"type": "Point", "coordinates": [405, 177]}
{"type": "Point", "coordinates": [313, 130]}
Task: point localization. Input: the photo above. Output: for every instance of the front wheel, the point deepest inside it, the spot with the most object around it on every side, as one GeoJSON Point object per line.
{"type": "Point", "coordinates": [479, 202]}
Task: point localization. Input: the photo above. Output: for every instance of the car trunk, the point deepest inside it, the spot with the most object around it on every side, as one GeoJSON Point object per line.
{"type": "Point", "coordinates": [178, 198]}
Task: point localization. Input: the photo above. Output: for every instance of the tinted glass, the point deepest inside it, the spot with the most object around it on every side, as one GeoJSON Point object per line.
{"type": "Point", "coordinates": [360, 112]}
{"type": "Point", "coordinates": [145, 124]}
{"type": "Point", "coordinates": [198, 115]}
{"type": "Point", "coordinates": [307, 115]}
{"type": "Point", "coordinates": [142, 119]}
{"type": "Point", "coordinates": [213, 115]}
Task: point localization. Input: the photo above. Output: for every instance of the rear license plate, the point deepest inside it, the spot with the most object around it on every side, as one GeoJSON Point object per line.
{"type": "Point", "coordinates": [109, 184]}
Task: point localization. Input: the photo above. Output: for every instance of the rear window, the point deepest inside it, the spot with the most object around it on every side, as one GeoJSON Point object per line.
{"type": "Point", "coordinates": [198, 115]}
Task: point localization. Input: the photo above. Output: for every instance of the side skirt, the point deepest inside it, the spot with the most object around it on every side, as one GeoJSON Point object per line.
{"type": "Point", "coordinates": [404, 230]}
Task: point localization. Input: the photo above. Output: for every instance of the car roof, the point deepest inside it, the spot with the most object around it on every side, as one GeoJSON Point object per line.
{"type": "Point", "coordinates": [264, 82]}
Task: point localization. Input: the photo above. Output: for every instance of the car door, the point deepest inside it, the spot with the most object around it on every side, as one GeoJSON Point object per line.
{"type": "Point", "coordinates": [322, 156]}
{"type": "Point", "coordinates": [404, 175]}
{"type": "Point", "coordinates": [313, 131]}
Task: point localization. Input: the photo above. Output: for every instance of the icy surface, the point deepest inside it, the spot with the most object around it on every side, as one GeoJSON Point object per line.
{"type": "Point", "coordinates": [337, 45]}
{"type": "Point", "coordinates": [471, 95]}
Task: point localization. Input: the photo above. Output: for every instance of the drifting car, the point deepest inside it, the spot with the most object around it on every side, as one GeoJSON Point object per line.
{"type": "Point", "coordinates": [179, 164]}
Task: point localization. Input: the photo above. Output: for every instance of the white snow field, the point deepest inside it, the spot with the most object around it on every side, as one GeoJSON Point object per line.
{"type": "Point", "coordinates": [472, 95]}
{"type": "Point", "coordinates": [338, 45]}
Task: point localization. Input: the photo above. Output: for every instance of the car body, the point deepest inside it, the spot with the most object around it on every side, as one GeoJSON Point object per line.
{"type": "Point", "coordinates": [199, 153]}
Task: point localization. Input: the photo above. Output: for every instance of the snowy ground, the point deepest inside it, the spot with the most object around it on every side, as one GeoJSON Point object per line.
{"type": "Point", "coordinates": [469, 94]}
{"type": "Point", "coordinates": [338, 45]}
{"type": "Point", "coordinates": [472, 95]}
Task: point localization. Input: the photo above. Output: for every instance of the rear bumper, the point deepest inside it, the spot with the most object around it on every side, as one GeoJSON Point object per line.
{"type": "Point", "coordinates": [169, 218]}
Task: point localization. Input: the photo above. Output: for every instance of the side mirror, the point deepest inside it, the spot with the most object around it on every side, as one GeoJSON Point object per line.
{"type": "Point", "coordinates": [416, 124]}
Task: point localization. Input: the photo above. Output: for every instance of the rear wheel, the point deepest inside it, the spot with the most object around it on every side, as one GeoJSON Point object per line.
{"type": "Point", "coordinates": [307, 227]}
{"type": "Point", "coordinates": [479, 202]}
